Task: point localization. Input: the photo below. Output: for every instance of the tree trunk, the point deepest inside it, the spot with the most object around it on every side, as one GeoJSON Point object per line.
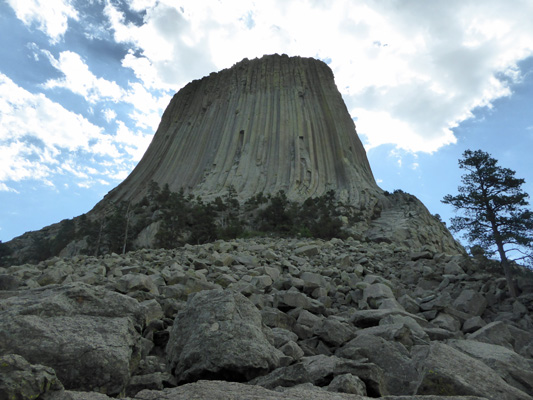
{"type": "Point", "coordinates": [126, 230]}
{"type": "Point", "coordinates": [511, 284]}
{"type": "Point", "coordinates": [102, 222]}
{"type": "Point", "coordinates": [491, 216]}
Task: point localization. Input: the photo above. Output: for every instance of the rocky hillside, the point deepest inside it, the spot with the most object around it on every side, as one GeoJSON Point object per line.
{"type": "Point", "coordinates": [265, 319]}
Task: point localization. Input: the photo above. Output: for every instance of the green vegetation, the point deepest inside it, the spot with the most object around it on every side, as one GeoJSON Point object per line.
{"type": "Point", "coordinates": [181, 219]}
{"type": "Point", "coordinates": [5, 252]}
{"type": "Point", "coordinates": [495, 218]}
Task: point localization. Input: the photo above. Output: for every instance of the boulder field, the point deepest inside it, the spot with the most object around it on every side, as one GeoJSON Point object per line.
{"type": "Point", "coordinates": [265, 318]}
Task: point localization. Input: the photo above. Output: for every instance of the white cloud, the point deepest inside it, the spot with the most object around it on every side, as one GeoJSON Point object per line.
{"type": "Point", "coordinates": [172, 51]}
{"type": "Point", "coordinates": [80, 80]}
{"type": "Point", "coordinates": [147, 106]}
{"type": "Point", "coordinates": [25, 114]}
{"type": "Point", "coordinates": [135, 143]}
{"type": "Point", "coordinates": [109, 115]}
{"type": "Point", "coordinates": [50, 16]}
{"type": "Point", "coordinates": [409, 72]}
{"type": "Point", "coordinates": [5, 188]}
{"type": "Point", "coordinates": [39, 138]}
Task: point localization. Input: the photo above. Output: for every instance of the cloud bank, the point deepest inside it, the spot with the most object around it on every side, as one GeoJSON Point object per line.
{"type": "Point", "coordinates": [410, 71]}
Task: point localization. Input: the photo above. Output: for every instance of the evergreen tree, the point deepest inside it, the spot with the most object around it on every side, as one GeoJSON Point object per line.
{"type": "Point", "coordinates": [202, 225]}
{"type": "Point", "coordinates": [175, 212]}
{"type": "Point", "coordinates": [115, 228]}
{"type": "Point", "coordinates": [66, 233]}
{"type": "Point", "coordinates": [231, 225]}
{"type": "Point", "coordinates": [494, 208]}
{"type": "Point", "coordinates": [89, 230]}
{"type": "Point", "coordinates": [276, 217]}
{"type": "Point", "coordinates": [5, 252]}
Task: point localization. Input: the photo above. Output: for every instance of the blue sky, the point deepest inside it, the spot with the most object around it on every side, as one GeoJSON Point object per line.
{"type": "Point", "coordinates": [83, 84]}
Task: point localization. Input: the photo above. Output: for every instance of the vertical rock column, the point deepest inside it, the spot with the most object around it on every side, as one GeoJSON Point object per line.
{"type": "Point", "coordinates": [270, 124]}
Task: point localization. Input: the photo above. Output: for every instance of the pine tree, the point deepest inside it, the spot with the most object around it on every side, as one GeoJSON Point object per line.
{"type": "Point", "coordinates": [494, 208]}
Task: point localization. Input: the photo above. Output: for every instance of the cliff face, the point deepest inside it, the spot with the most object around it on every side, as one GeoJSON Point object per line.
{"type": "Point", "coordinates": [270, 124]}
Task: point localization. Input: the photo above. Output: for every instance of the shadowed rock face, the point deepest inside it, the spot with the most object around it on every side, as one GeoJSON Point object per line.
{"type": "Point", "coordinates": [270, 124]}
{"type": "Point", "coordinates": [265, 125]}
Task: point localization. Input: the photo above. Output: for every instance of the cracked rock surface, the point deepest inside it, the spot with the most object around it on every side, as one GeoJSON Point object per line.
{"type": "Point", "coordinates": [268, 318]}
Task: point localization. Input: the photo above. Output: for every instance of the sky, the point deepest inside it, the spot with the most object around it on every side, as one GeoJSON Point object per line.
{"type": "Point", "coordinates": [83, 84]}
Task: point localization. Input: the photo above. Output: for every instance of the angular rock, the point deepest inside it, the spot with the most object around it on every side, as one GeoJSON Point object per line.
{"type": "Point", "coordinates": [513, 368]}
{"type": "Point", "coordinates": [132, 282]}
{"type": "Point", "coordinates": [447, 371]}
{"type": "Point", "coordinates": [471, 302]}
{"type": "Point", "coordinates": [21, 380]}
{"type": "Point", "coordinates": [9, 282]}
{"type": "Point", "coordinates": [291, 299]}
{"type": "Point", "coordinates": [292, 350]}
{"type": "Point", "coordinates": [218, 390]}
{"type": "Point", "coordinates": [219, 335]}
{"type": "Point", "coordinates": [320, 370]}
{"type": "Point", "coordinates": [446, 321]}
{"type": "Point", "coordinates": [496, 332]}
{"type": "Point", "coordinates": [376, 292]}
{"type": "Point", "coordinates": [88, 335]}
{"type": "Point", "coordinates": [334, 331]}
{"type": "Point", "coordinates": [368, 318]}
{"type": "Point", "coordinates": [347, 383]}
{"type": "Point", "coordinates": [473, 324]}
{"type": "Point", "coordinates": [393, 358]}
{"type": "Point", "coordinates": [308, 251]}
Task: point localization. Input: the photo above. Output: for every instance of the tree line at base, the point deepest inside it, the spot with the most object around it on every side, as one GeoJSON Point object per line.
{"type": "Point", "coordinates": [184, 219]}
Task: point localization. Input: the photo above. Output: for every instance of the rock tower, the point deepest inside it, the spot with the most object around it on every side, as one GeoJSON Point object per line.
{"type": "Point", "coordinates": [262, 126]}
{"type": "Point", "coordinates": [265, 125]}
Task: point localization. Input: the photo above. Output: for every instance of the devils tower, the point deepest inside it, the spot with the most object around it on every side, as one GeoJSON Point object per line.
{"type": "Point", "coordinates": [263, 126]}
{"type": "Point", "coordinates": [270, 124]}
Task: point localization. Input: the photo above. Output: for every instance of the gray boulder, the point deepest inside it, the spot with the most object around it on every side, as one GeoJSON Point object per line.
{"type": "Point", "coordinates": [470, 302]}
{"type": "Point", "coordinates": [132, 282]}
{"type": "Point", "coordinates": [21, 380]}
{"type": "Point", "coordinates": [496, 332]}
{"type": "Point", "coordinates": [219, 390]}
{"type": "Point", "coordinates": [392, 357]}
{"type": "Point", "coordinates": [334, 331]}
{"type": "Point", "coordinates": [320, 370]}
{"type": "Point", "coordinates": [513, 368]}
{"type": "Point", "coordinates": [447, 371]}
{"type": "Point", "coordinates": [376, 293]}
{"type": "Point", "coordinates": [9, 282]}
{"type": "Point", "coordinates": [368, 318]}
{"type": "Point", "coordinates": [473, 324]}
{"type": "Point", "coordinates": [220, 334]}
{"type": "Point", "coordinates": [347, 383]}
{"type": "Point", "coordinates": [88, 335]}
